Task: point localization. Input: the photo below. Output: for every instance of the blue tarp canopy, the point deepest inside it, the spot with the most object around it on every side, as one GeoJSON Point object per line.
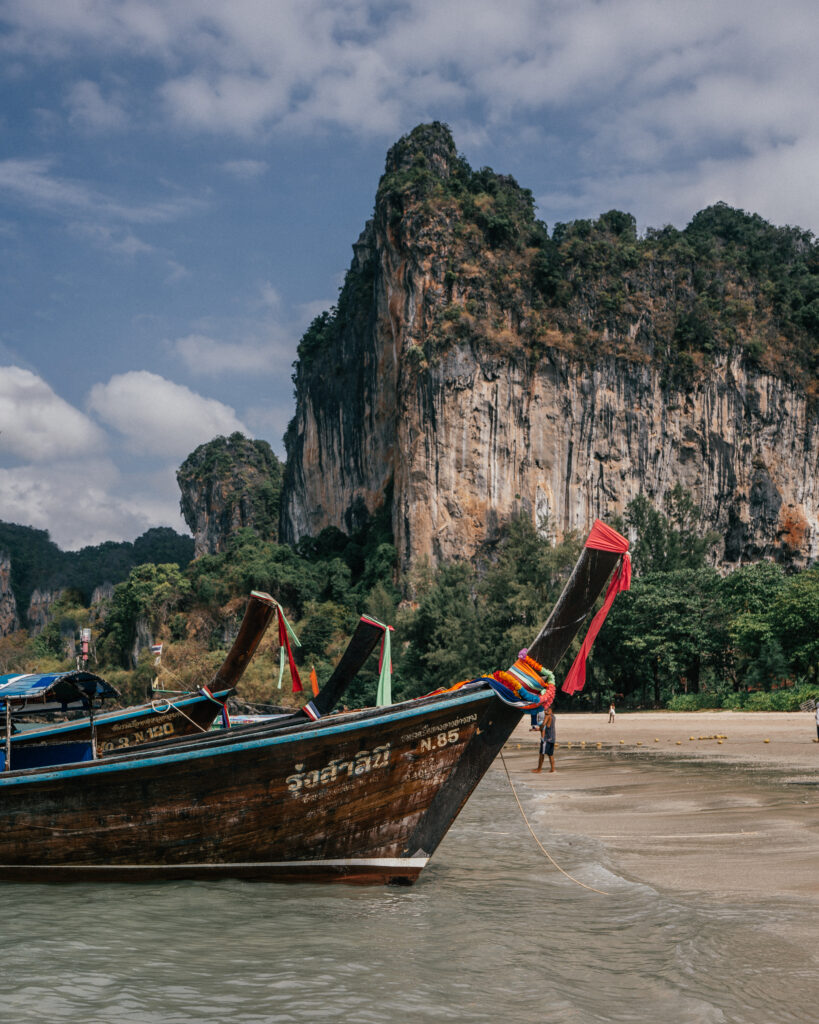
{"type": "Point", "coordinates": [47, 691]}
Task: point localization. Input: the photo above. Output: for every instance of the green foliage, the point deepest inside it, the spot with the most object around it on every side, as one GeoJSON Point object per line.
{"type": "Point", "coordinates": [151, 593]}
{"type": "Point", "coordinates": [669, 541]}
{"type": "Point", "coordinates": [471, 620]}
{"type": "Point", "coordinates": [250, 563]}
{"type": "Point", "coordinates": [243, 473]}
{"type": "Point", "coordinates": [37, 562]}
{"type": "Point", "coordinates": [688, 637]}
{"type": "Point", "coordinates": [48, 643]}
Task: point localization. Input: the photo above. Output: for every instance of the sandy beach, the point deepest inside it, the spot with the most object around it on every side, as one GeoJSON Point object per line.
{"type": "Point", "coordinates": [724, 804]}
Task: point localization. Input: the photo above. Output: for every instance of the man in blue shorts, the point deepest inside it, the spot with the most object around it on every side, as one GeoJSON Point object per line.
{"type": "Point", "coordinates": [547, 741]}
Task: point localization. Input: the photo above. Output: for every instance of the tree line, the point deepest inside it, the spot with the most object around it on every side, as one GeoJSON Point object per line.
{"type": "Point", "coordinates": [685, 636]}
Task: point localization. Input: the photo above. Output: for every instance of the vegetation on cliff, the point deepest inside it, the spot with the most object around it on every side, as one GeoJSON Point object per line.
{"type": "Point", "coordinates": [231, 482]}
{"type": "Point", "coordinates": [729, 282]}
{"type": "Point", "coordinates": [38, 564]}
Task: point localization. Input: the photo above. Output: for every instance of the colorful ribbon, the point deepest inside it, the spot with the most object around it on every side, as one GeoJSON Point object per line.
{"type": "Point", "coordinates": [601, 538]}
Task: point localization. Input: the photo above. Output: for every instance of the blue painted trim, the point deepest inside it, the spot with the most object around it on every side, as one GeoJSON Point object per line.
{"type": "Point", "coordinates": [229, 748]}
{"type": "Point", "coordinates": [113, 716]}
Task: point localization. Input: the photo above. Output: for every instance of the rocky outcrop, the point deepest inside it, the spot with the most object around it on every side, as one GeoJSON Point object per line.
{"type": "Point", "coordinates": [143, 639]}
{"type": "Point", "coordinates": [9, 620]}
{"type": "Point", "coordinates": [39, 612]}
{"type": "Point", "coordinates": [227, 484]}
{"type": "Point", "coordinates": [446, 378]}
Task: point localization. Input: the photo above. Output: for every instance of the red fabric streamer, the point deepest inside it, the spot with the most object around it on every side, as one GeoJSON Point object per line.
{"type": "Point", "coordinates": [604, 538]}
{"type": "Point", "coordinates": [601, 538]}
{"type": "Point", "coordinates": [285, 643]}
{"type": "Point", "coordinates": [314, 681]}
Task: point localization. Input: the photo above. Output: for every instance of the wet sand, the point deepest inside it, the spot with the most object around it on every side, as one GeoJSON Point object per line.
{"type": "Point", "coordinates": [736, 819]}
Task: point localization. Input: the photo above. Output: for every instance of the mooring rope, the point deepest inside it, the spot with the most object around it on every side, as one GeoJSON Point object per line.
{"type": "Point", "coordinates": [542, 847]}
{"type": "Point", "coordinates": [170, 704]}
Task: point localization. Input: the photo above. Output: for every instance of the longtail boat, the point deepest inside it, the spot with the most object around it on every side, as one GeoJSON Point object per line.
{"type": "Point", "coordinates": [361, 797]}
{"type": "Point", "coordinates": [163, 716]}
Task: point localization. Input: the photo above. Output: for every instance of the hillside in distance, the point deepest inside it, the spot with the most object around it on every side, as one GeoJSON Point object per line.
{"type": "Point", "coordinates": [34, 570]}
{"type": "Point", "coordinates": [478, 366]}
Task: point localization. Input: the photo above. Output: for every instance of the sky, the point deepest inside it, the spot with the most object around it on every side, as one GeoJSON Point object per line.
{"type": "Point", "coordinates": [181, 182]}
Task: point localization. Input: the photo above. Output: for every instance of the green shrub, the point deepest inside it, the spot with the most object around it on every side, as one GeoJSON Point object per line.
{"type": "Point", "coordinates": [692, 702]}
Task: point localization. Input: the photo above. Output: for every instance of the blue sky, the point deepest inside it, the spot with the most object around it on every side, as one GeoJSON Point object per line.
{"type": "Point", "coordinates": [181, 182]}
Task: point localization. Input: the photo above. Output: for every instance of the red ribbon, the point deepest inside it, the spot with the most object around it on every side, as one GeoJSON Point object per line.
{"type": "Point", "coordinates": [285, 643]}
{"type": "Point", "coordinates": [602, 538]}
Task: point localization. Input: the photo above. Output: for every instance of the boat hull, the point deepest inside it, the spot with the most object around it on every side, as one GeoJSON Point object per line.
{"type": "Point", "coordinates": [145, 723]}
{"type": "Point", "coordinates": [362, 798]}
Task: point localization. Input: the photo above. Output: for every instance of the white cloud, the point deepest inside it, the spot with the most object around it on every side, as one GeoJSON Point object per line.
{"type": "Point", "coordinates": [257, 344]}
{"type": "Point", "coordinates": [245, 170]}
{"type": "Point", "coordinates": [113, 239]}
{"type": "Point", "coordinates": [35, 423]}
{"type": "Point", "coordinates": [88, 108]}
{"type": "Point", "coordinates": [205, 355]}
{"type": "Point", "coordinates": [156, 416]}
{"type": "Point", "coordinates": [270, 421]}
{"type": "Point", "coordinates": [32, 182]}
{"type": "Point", "coordinates": [270, 296]}
{"type": "Point", "coordinates": [647, 88]}
{"type": "Point", "coordinates": [47, 498]}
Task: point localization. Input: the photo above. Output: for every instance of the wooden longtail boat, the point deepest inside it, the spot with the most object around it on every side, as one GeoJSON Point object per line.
{"type": "Point", "coordinates": [164, 716]}
{"type": "Point", "coordinates": [363, 797]}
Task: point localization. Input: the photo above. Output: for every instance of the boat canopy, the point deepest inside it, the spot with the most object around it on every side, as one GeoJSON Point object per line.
{"type": "Point", "coordinates": [53, 691]}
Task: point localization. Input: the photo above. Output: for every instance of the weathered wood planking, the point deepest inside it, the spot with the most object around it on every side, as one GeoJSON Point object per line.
{"type": "Point", "coordinates": [338, 799]}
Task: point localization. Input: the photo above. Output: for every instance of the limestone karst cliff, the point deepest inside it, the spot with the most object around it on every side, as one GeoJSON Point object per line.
{"type": "Point", "coordinates": [9, 620]}
{"type": "Point", "coordinates": [478, 366]}
{"type": "Point", "coordinates": [227, 484]}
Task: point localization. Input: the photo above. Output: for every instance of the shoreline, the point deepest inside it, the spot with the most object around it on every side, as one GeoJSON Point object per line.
{"type": "Point", "coordinates": [736, 819]}
{"type": "Point", "coordinates": [775, 739]}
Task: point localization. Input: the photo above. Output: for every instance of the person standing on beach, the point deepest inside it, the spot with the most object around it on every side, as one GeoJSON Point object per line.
{"type": "Point", "coordinates": [817, 723]}
{"type": "Point", "coordinates": [547, 741]}
{"type": "Point", "coordinates": [611, 712]}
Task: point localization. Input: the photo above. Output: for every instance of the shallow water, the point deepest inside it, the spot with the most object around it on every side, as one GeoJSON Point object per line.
{"type": "Point", "coordinates": [490, 931]}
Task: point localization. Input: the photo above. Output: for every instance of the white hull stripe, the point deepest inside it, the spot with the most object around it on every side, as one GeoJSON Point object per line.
{"type": "Point", "coordinates": [345, 862]}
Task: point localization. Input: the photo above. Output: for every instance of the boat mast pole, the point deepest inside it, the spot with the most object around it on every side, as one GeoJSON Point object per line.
{"type": "Point", "coordinates": [8, 736]}
{"type": "Point", "coordinates": [93, 723]}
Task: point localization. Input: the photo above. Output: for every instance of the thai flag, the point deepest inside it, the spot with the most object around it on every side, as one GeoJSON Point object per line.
{"type": "Point", "coordinates": [156, 649]}
{"type": "Point", "coordinates": [311, 711]}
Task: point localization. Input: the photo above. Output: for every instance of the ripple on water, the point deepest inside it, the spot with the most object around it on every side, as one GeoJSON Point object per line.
{"type": "Point", "coordinates": [491, 931]}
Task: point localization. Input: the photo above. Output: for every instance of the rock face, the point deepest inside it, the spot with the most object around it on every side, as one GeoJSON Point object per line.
{"type": "Point", "coordinates": [227, 484]}
{"type": "Point", "coordinates": [40, 606]}
{"type": "Point", "coordinates": [9, 620]}
{"type": "Point", "coordinates": [472, 375]}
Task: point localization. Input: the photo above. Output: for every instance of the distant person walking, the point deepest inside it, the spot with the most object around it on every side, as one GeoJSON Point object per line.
{"type": "Point", "coordinates": [611, 712]}
{"type": "Point", "coordinates": [547, 741]}
{"type": "Point", "coordinates": [817, 723]}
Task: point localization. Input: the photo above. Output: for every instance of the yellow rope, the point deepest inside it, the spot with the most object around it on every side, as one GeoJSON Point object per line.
{"type": "Point", "coordinates": [542, 847]}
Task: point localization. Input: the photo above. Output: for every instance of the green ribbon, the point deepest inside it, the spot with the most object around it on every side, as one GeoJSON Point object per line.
{"type": "Point", "coordinates": [384, 696]}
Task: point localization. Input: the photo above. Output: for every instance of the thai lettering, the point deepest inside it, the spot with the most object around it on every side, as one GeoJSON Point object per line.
{"type": "Point", "coordinates": [361, 763]}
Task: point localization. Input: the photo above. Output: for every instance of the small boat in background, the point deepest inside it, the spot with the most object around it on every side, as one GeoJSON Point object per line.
{"type": "Point", "coordinates": [361, 797]}
{"type": "Point", "coordinates": [179, 715]}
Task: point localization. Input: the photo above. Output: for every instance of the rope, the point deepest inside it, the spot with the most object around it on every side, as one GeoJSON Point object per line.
{"type": "Point", "coordinates": [170, 672]}
{"type": "Point", "coordinates": [170, 704]}
{"type": "Point", "coordinates": [542, 847]}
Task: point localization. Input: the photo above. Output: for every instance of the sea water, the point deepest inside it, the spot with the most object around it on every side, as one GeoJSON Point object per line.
{"type": "Point", "coordinates": [491, 932]}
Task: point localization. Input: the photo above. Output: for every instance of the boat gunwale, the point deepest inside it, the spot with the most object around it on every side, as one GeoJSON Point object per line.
{"type": "Point", "coordinates": [137, 758]}
{"type": "Point", "coordinates": [124, 714]}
